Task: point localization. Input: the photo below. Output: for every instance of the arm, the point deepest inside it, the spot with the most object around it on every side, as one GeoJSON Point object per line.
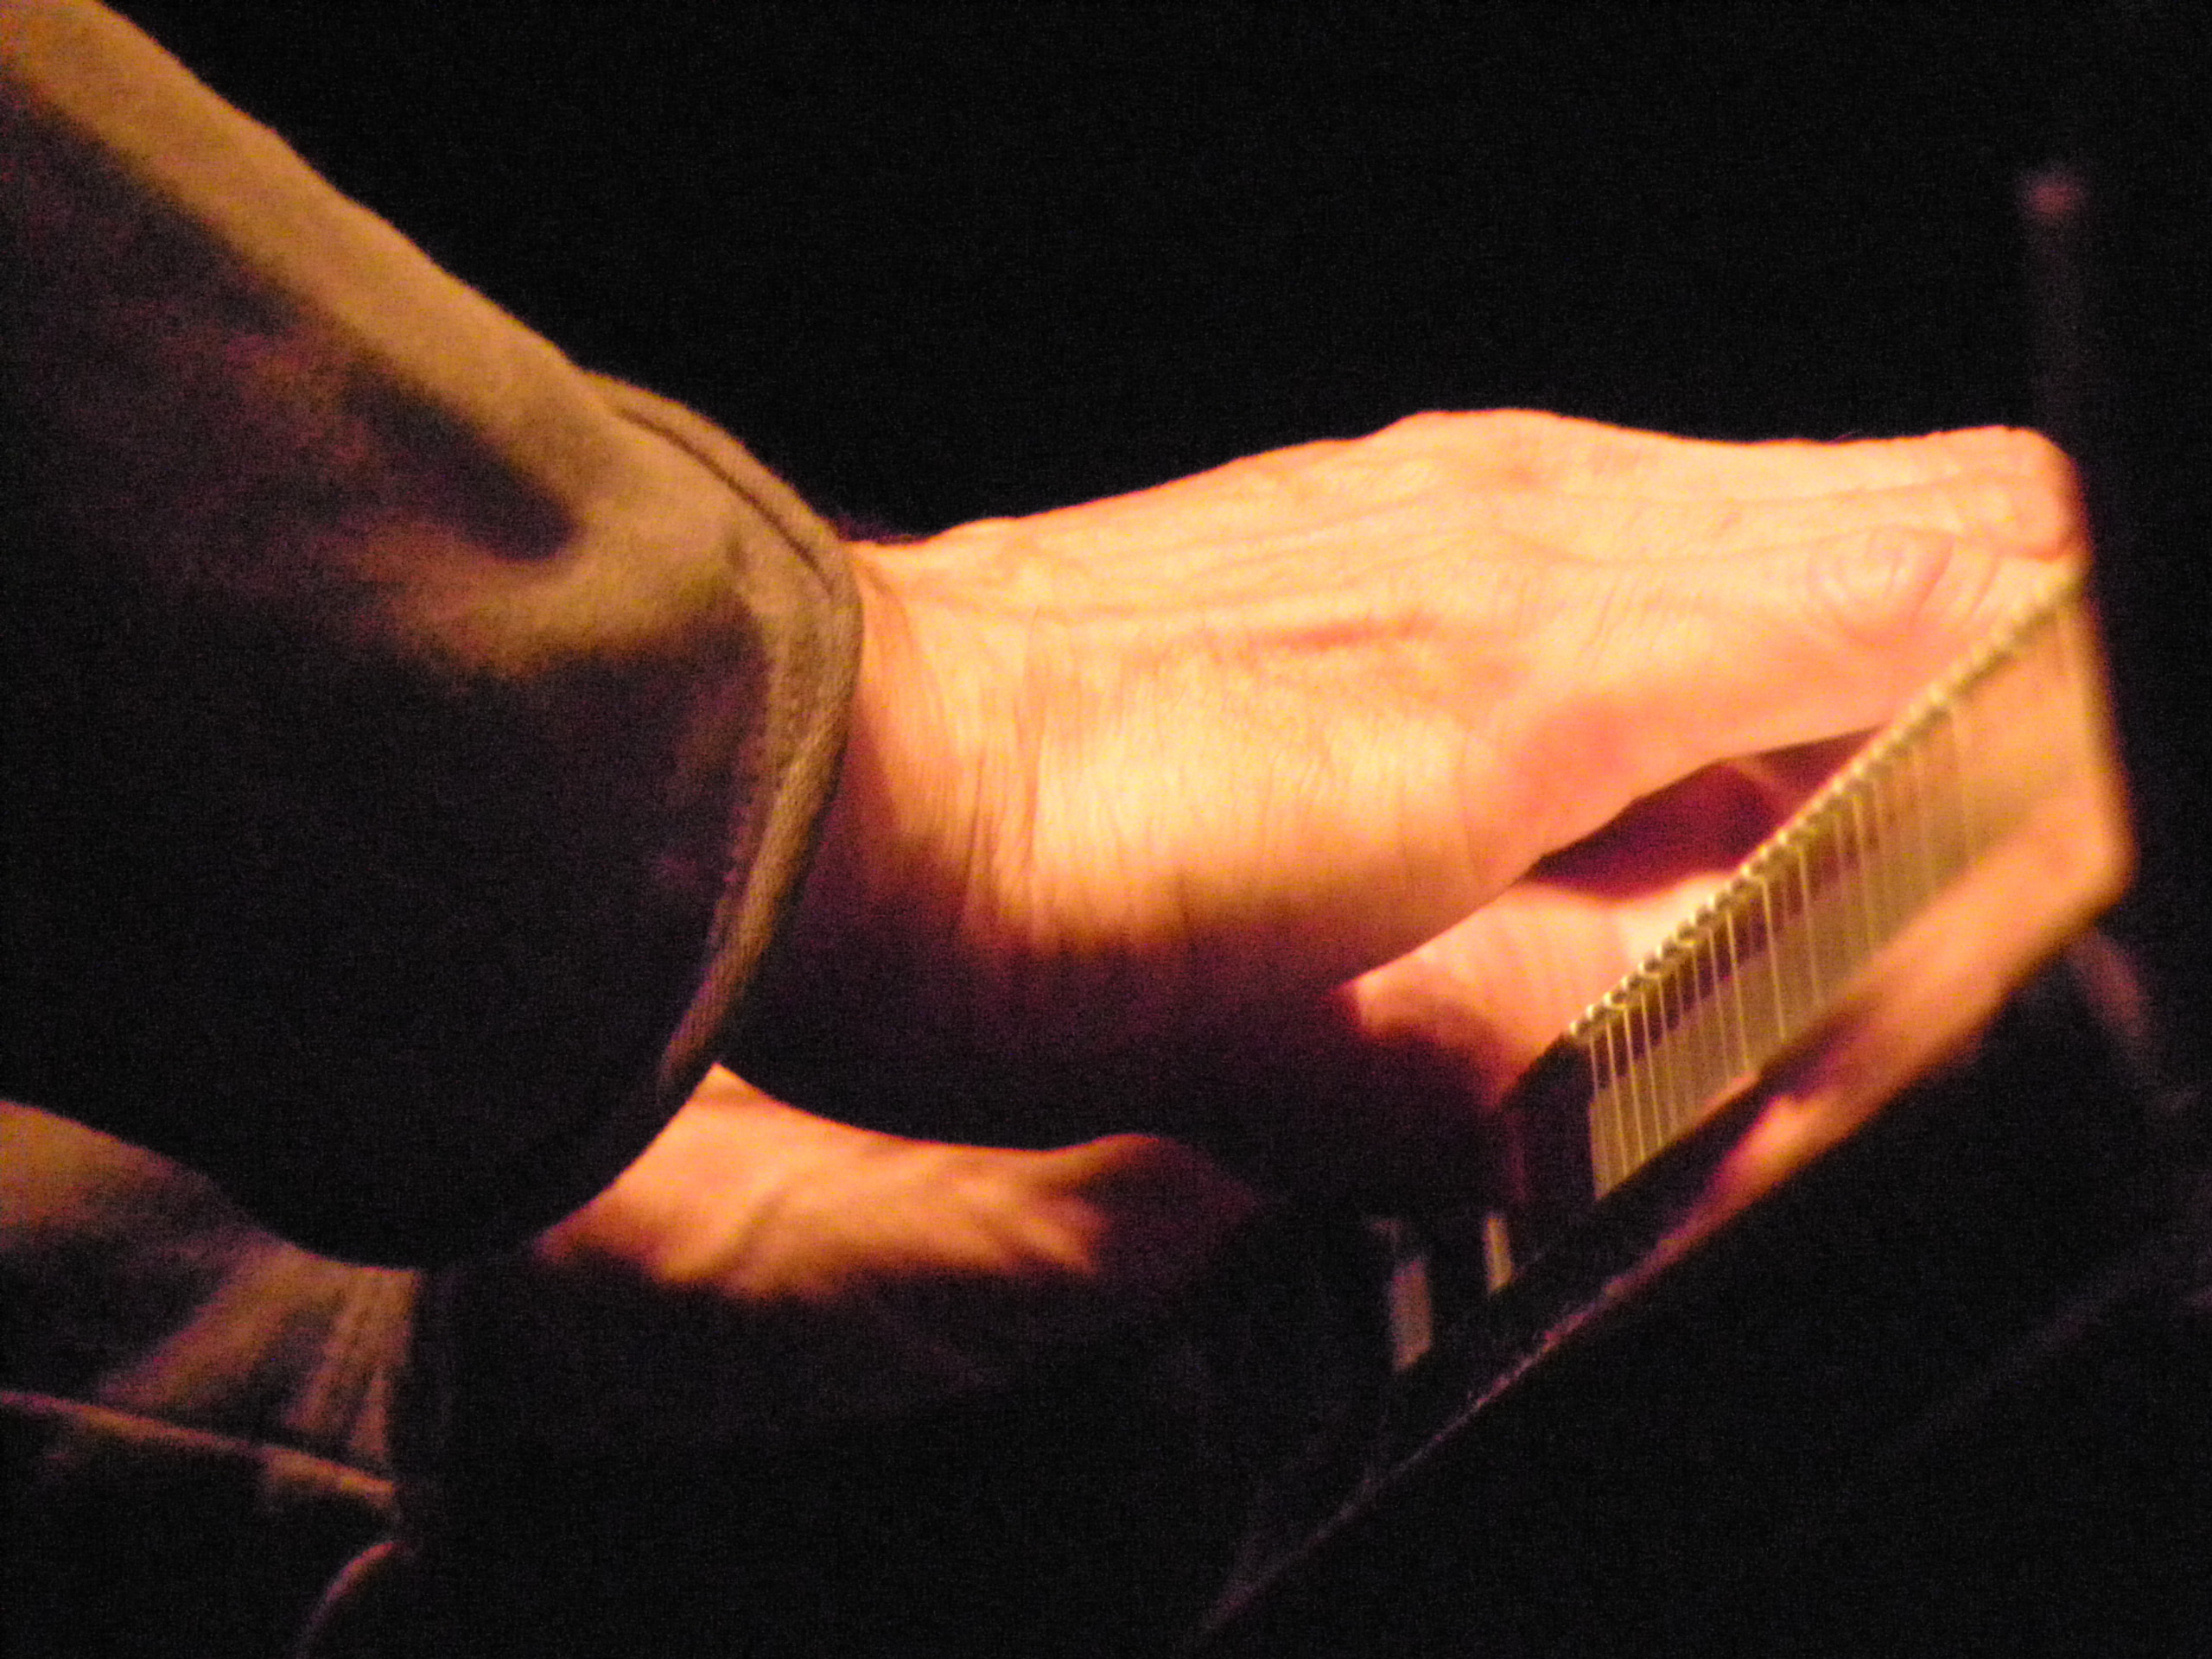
{"type": "Point", "coordinates": [390, 690]}
{"type": "Point", "coordinates": [1230, 689]}
{"type": "Point", "coordinates": [413, 738]}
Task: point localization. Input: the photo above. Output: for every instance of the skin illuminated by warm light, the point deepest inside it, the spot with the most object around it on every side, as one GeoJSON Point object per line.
{"type": "Point", "coordinates": [1169, 764]}
{"type": "Point", "coordinates": [1317, 791]}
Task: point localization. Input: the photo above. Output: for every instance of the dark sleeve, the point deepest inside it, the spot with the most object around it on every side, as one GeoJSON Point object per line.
{"type": "Point", "coordinates": [412, 740]}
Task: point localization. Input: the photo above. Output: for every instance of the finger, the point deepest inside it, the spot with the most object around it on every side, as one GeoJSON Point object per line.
{"type": "Point", "coordinates": [1682, 664]}
{"type": "Point", "coordinates": [1800, 467]}
{"type": "Point", "coordinates": [1513, 450]}
{"type": "Point", "coordinates": [2031, 521]}
{"type": "Point", "coordinates": [1152, 1212]}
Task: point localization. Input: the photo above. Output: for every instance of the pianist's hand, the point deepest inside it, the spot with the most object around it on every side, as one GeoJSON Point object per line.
{"type": "Point", "coordinates": [1292, 808]}
{"type": "Point", "coordinates": [760, 1272]}
{"type": "Point", "coordinates": [1135, 783]}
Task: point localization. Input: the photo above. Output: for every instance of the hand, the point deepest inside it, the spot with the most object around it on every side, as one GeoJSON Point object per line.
{"type": "Point", "coordinates": [760, 1272]}
{"type": "Point", "coordinates": [1132, 782]}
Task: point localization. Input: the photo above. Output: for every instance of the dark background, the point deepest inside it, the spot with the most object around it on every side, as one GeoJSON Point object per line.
{"type": "Point", "coordinates": [936, 262]}
{"type": "Point", "coordinates": [940, 261]}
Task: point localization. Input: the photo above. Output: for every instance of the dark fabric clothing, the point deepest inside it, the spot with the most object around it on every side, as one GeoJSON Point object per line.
{"type": "Point", "coordinates": [412, 740]}
{"type": "Point", "coordinates": [206, 1434]}
{"type": "Point", "coordinates": [195, 1415]}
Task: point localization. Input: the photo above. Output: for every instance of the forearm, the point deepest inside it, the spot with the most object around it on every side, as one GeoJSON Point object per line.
{"type": "Point", "coordinates": [416, 739]}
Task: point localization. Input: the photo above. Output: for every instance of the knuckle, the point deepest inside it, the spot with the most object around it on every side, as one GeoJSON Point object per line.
{"type": "Point", "coordinates": [1495, 450]}
{"type": "Point", "coordinates": [2031, 496]}
{"type": "Point", "coordinates": [1897, 585]}
{"type": "Point", "coordinates": [1425, 424]}
{"type": "Point", "coordinates": [2029, 451]}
